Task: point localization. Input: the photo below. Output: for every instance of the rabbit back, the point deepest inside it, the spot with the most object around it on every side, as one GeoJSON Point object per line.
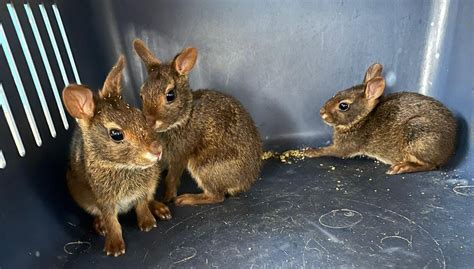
{"type": "Point", "coordinates": [409, 124]}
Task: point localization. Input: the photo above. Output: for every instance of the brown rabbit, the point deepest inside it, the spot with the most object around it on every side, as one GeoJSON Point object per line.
{"type": "Point", "coordinates": [205, 131]}
{"type": "Point", "coordinates": [113, 164]}
{"type": "Point", "coordinates": [409, 131]}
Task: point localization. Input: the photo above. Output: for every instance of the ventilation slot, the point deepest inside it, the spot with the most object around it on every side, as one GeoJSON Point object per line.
{"type": "Point", "coordinates": [37, 81]}
{"type": "Point", "coordinates": [3, 163]}
{"type": "Point", "coordinates": [19, 85]}
{"type": "Point", "coordinates": [47, 66]}
{"type": "Point", "coordinates": [44, 14]}
{"type": "Point", "coordinates": [31, 67]}
{"type": "Point", "coordinates": [66, 43]}
{"type": "Point", "coordinates": [11, 122]}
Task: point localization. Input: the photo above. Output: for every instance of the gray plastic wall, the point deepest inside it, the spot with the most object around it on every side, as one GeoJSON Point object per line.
{"type": "Point", "coordinates": [284, 59]}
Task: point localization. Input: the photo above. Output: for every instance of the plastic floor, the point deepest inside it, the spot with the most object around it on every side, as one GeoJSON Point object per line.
{"type": "Point", "coordinates": [319, 213]}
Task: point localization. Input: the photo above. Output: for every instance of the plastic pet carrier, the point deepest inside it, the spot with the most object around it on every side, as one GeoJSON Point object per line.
{"type": "Point", "coordinates": [282, 60]}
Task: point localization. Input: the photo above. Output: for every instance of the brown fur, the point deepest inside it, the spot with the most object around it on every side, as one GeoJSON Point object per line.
{"type": "Point", "coordinates": [205, 131]}
{"type": "Point", "coordinates": [106, 177]}
{"type": "Point", "coordinates": [409, 131]}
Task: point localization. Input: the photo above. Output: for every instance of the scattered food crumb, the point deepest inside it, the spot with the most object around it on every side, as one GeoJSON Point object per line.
{"type": "Point", "coordinates": [388, 189]}
{"type": "Point", "coordinates": [333, 168]}
{"type": "Point", "coordinates": [288, 157]}
{"type": "Point", "coordinates": [370, 179]}
{"type": "Point", "coordinates": [37, 254]}
{"type": "Point", "coordinates": [269, 154]}
{"type": "Point", "coordinates": [294, 154]}
{"type": "Point", "coordinates": [375, 190]}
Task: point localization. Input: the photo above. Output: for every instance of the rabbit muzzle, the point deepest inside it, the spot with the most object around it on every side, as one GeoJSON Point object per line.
{"type": "Point", "coordinates": [325, 116]}
{"type": "Point", "coordinates": [156, 149]}
{"type": "Point", "coordinates": [154, 152]}
{"type": "Point", "coordinates": [154, 123]}
{"type": "Point", "coordinates": [150, 120]}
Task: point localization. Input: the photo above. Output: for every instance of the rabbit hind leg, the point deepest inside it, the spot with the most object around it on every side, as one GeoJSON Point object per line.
{"type": "Point", "coordinates": [426, 142]}
{"type": "Point", "coordinates": [422, 152]}
{"type": "Point", "coordinates": [409, 167]}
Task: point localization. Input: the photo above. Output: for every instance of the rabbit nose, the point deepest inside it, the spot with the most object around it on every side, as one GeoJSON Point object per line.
{"type": "Point", "coordinates": [153, 153]}
{"type": "Point", "coordinates": [155, 148]}
{"type": "Point", "coordinates": [323, 114]}
{"type": "Point", "coordinates": [150, 120]}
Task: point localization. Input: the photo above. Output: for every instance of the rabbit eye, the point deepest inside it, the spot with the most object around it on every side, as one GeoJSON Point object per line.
{"type": "Point", "coordinates": [116, 134]}
{"type": "Point", "coordinates": [343, 106]}
{"type": "Point", "coordinates": [170, 96]}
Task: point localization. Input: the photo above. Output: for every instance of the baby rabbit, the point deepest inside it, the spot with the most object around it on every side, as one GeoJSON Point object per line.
{"type": "Point", "coordinates": [205, 131]}
{"type": "Point", "coordinates": [409, 131]}
{"type": "Point", "coordinates": [113, 164]}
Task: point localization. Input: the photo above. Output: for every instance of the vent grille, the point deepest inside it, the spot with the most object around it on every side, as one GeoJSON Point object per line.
{"type": "Point", "coordinates": [37, 82]}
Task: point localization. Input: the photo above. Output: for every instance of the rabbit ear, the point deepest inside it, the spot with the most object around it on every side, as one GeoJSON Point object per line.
{"type": "Point", "coordinates": [374, 88]}
{"type": "Point", "coordinates": [184, 62]}
{"type": "Point", "coordinates": [373, 71]}
{"type": "Point", "coordinates": [112, 85]}
{"type": "Point", "coordinates": [79, 101]}
{"type": "Point", "coordinates": [145, 54]}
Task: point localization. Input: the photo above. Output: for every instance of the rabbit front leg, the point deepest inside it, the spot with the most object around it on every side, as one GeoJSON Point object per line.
{"type": "Point", "coordinates": [99, 225]}
{"type": "Point", "coordinates": [159, 209]}
{"type": "Point", "coordinates": [145, 218]}
{"type": "Point", "coordinates": [330, 151]}
{"type": "Point", "coordinates": [175, 170]}
{"type": "Point", "coordinates": [114, 244]}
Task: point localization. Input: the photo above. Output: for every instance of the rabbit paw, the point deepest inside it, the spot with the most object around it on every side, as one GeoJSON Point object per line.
{"type": "Point", "coordinates": [160, 210]}
{"type": "Point", "coordinates": [185, 199]}
{"type": "Point", "coordinates": [409, 167]}
{"type": "Point", "coordinates": [398, 168]}
{"type": "Point", "coordinates": [114, 246]}
{"type": "Point", "coordinates": [99, 226]}
{"type": "Point", "coordinates": [197, 199]}
{"type": "Point", "coordinates": [146, 223]}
